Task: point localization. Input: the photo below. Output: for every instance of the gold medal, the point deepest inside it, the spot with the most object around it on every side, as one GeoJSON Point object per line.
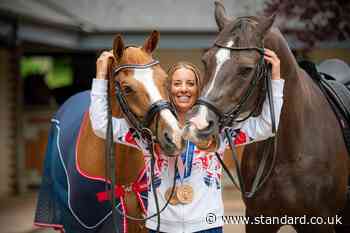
{"type": "Point", "coordinates": [184, 194]}
{"type": "Point", "coordinates": [173, 199]}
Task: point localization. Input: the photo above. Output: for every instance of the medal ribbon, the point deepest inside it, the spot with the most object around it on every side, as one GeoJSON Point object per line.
{"type": "Point", "coordinates": [185, 163]}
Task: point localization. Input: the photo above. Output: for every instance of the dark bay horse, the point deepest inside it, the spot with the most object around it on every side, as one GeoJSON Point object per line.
{"type": "Point", "coordinates": [73, 196]}
{"type": "Point", "coordinates": [311, 171]}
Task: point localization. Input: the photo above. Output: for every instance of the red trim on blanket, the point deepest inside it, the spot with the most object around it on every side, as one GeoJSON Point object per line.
{"type": "Point", "coordinates": [56, 227]}
{"type": "Point", "coordinates": [81, 172]}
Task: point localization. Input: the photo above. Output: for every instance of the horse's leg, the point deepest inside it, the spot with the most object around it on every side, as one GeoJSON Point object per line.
{"type": "Point", "coordinates": [319, 228]}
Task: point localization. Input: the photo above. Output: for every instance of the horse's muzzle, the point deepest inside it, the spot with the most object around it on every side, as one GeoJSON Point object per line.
{"type": "Point", "coordinates": [191, 133]}
{"type": "Point", "coordinates": [172, 145]}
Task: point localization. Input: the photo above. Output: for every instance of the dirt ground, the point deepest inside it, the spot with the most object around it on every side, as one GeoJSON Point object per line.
{"type": "Point", "coordinates": [17, 213]}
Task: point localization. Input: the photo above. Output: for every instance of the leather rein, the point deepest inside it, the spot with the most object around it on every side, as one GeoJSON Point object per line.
{"type": "Point", "coordinates": [141, 129]}
{"type": "Point", "coordinates": [227, 119]}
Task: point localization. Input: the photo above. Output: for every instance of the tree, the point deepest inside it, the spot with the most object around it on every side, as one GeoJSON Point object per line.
{"type": "Point", "coordinates": [312, 21]}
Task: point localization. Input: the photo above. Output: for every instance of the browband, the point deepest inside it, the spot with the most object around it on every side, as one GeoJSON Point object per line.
{"type": "Point", "coordinates": [259, 50]}
{"type": "Point", "coordinates": [134, 66]}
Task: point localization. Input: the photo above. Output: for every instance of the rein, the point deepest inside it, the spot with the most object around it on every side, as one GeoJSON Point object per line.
{"type": "Point", "coordinates": [142, 129]}
{"type": "Point", "coordinates": [229, 118]}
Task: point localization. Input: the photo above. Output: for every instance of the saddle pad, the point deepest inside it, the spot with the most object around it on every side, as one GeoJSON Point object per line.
{"type": "Point", "coordinates": [339, 97]}
{"type": "Point", "coordinates": [337, 94]}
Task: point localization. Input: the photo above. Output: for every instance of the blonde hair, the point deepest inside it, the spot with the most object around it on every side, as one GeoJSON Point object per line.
{"type": "Point", "coordinates": [189, 66]}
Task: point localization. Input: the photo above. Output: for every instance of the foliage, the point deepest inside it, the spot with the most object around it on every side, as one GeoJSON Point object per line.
{"type": "Point", "coordinates": [312, 21]}
{"type": "Point", "coordinates": [57, 71]}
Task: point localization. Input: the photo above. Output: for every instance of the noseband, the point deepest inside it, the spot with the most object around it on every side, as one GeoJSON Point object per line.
{"type": "Point", "coordinates": [228, 118]}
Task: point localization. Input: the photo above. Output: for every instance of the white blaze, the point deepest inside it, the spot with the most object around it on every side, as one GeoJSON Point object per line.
{"type": "Point", "coordinates": [221, 56]}
{"type": "Point", "coordinates": [145, 77]}
{"type": "Point", "coordinates": [199, 120]}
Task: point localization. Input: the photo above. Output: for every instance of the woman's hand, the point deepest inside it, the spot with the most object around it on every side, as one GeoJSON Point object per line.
{"type": "Point", "coordinates": [271, 57]}
{"type": "Point", "coordinates": [102, 64]}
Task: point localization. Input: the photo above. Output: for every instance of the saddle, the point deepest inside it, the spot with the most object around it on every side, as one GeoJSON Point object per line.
{"type": "Point", "coordinates": [333, 78]}
{"type": "Point", "coordinates": [335, 69]}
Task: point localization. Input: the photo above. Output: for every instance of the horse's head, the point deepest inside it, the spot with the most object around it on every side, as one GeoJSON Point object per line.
{"type": "Point", "coordinates": [232, 73]}
{"type": "Point", "coordinates": [141, 85]}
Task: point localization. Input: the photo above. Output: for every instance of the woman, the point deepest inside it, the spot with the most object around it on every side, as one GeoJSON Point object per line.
{"type": "Point", "coordinates": [198, 186]}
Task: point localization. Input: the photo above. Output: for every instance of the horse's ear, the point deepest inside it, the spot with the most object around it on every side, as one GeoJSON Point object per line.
{"type": "Point", "coordinates": [118, 47]}
{"type": "Point", "coordinates": [266, 24]}
{"type": "Point", "coordinates": [220, 14]}
{"type": "Point", "coordinates": [151, 42]}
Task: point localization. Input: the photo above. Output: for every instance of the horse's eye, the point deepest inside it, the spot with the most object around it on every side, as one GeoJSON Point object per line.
{"type": "Point", "coordinates": [205, 58]}
{"type": "Point", "coordinates": [127, 90]}
{"type": "Point", "coordinates": [204, 61]}
{"type": "Point", "coordinates": [244, 71]}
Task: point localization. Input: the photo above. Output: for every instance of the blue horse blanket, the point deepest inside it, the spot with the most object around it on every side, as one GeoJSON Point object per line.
{"type": "Point", "coordinates": [67, 200]}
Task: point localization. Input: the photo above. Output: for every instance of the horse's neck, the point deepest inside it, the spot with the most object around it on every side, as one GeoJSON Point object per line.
{"type": "Point", "coordinates": [129, 161]}
{"type": "Point", "coordinates": [299, 88]}
{"type": "Point", "coordinates": [303, 99]}
{"type": "Point", "coordinates": [91, 156]}
{"type": "Point", "coordinates": [289, 67]}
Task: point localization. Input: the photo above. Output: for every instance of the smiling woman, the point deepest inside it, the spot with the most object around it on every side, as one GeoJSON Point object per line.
{"type": "Point", "coordinates": [184, 87]}
{"type": "Point", "coordinates": [198, 179]}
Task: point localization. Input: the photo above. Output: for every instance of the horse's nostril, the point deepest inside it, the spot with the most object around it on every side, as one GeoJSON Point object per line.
{"type": "Point", "coordinates": [210, 125]}
{"type": "Point", "coordinates": [209, 130]}
{"type": "Point", "coordinates": [168, 138]}
{"type": "Point", "coordinates": [169, 146]}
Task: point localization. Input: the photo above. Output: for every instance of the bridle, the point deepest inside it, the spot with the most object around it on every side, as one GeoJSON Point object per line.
{"type": "Point", "coordinates": [227, 119]}
{"type": "Point", "coordinates": [141, 129]}
{"type": "Point", "coordinates": [154, 109]}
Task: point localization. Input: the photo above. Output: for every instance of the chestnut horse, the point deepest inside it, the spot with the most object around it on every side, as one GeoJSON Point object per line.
{"type": "Point", "coordinates": [72, 196]}
{"type": "Point", "coordinates": [310, 174]}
